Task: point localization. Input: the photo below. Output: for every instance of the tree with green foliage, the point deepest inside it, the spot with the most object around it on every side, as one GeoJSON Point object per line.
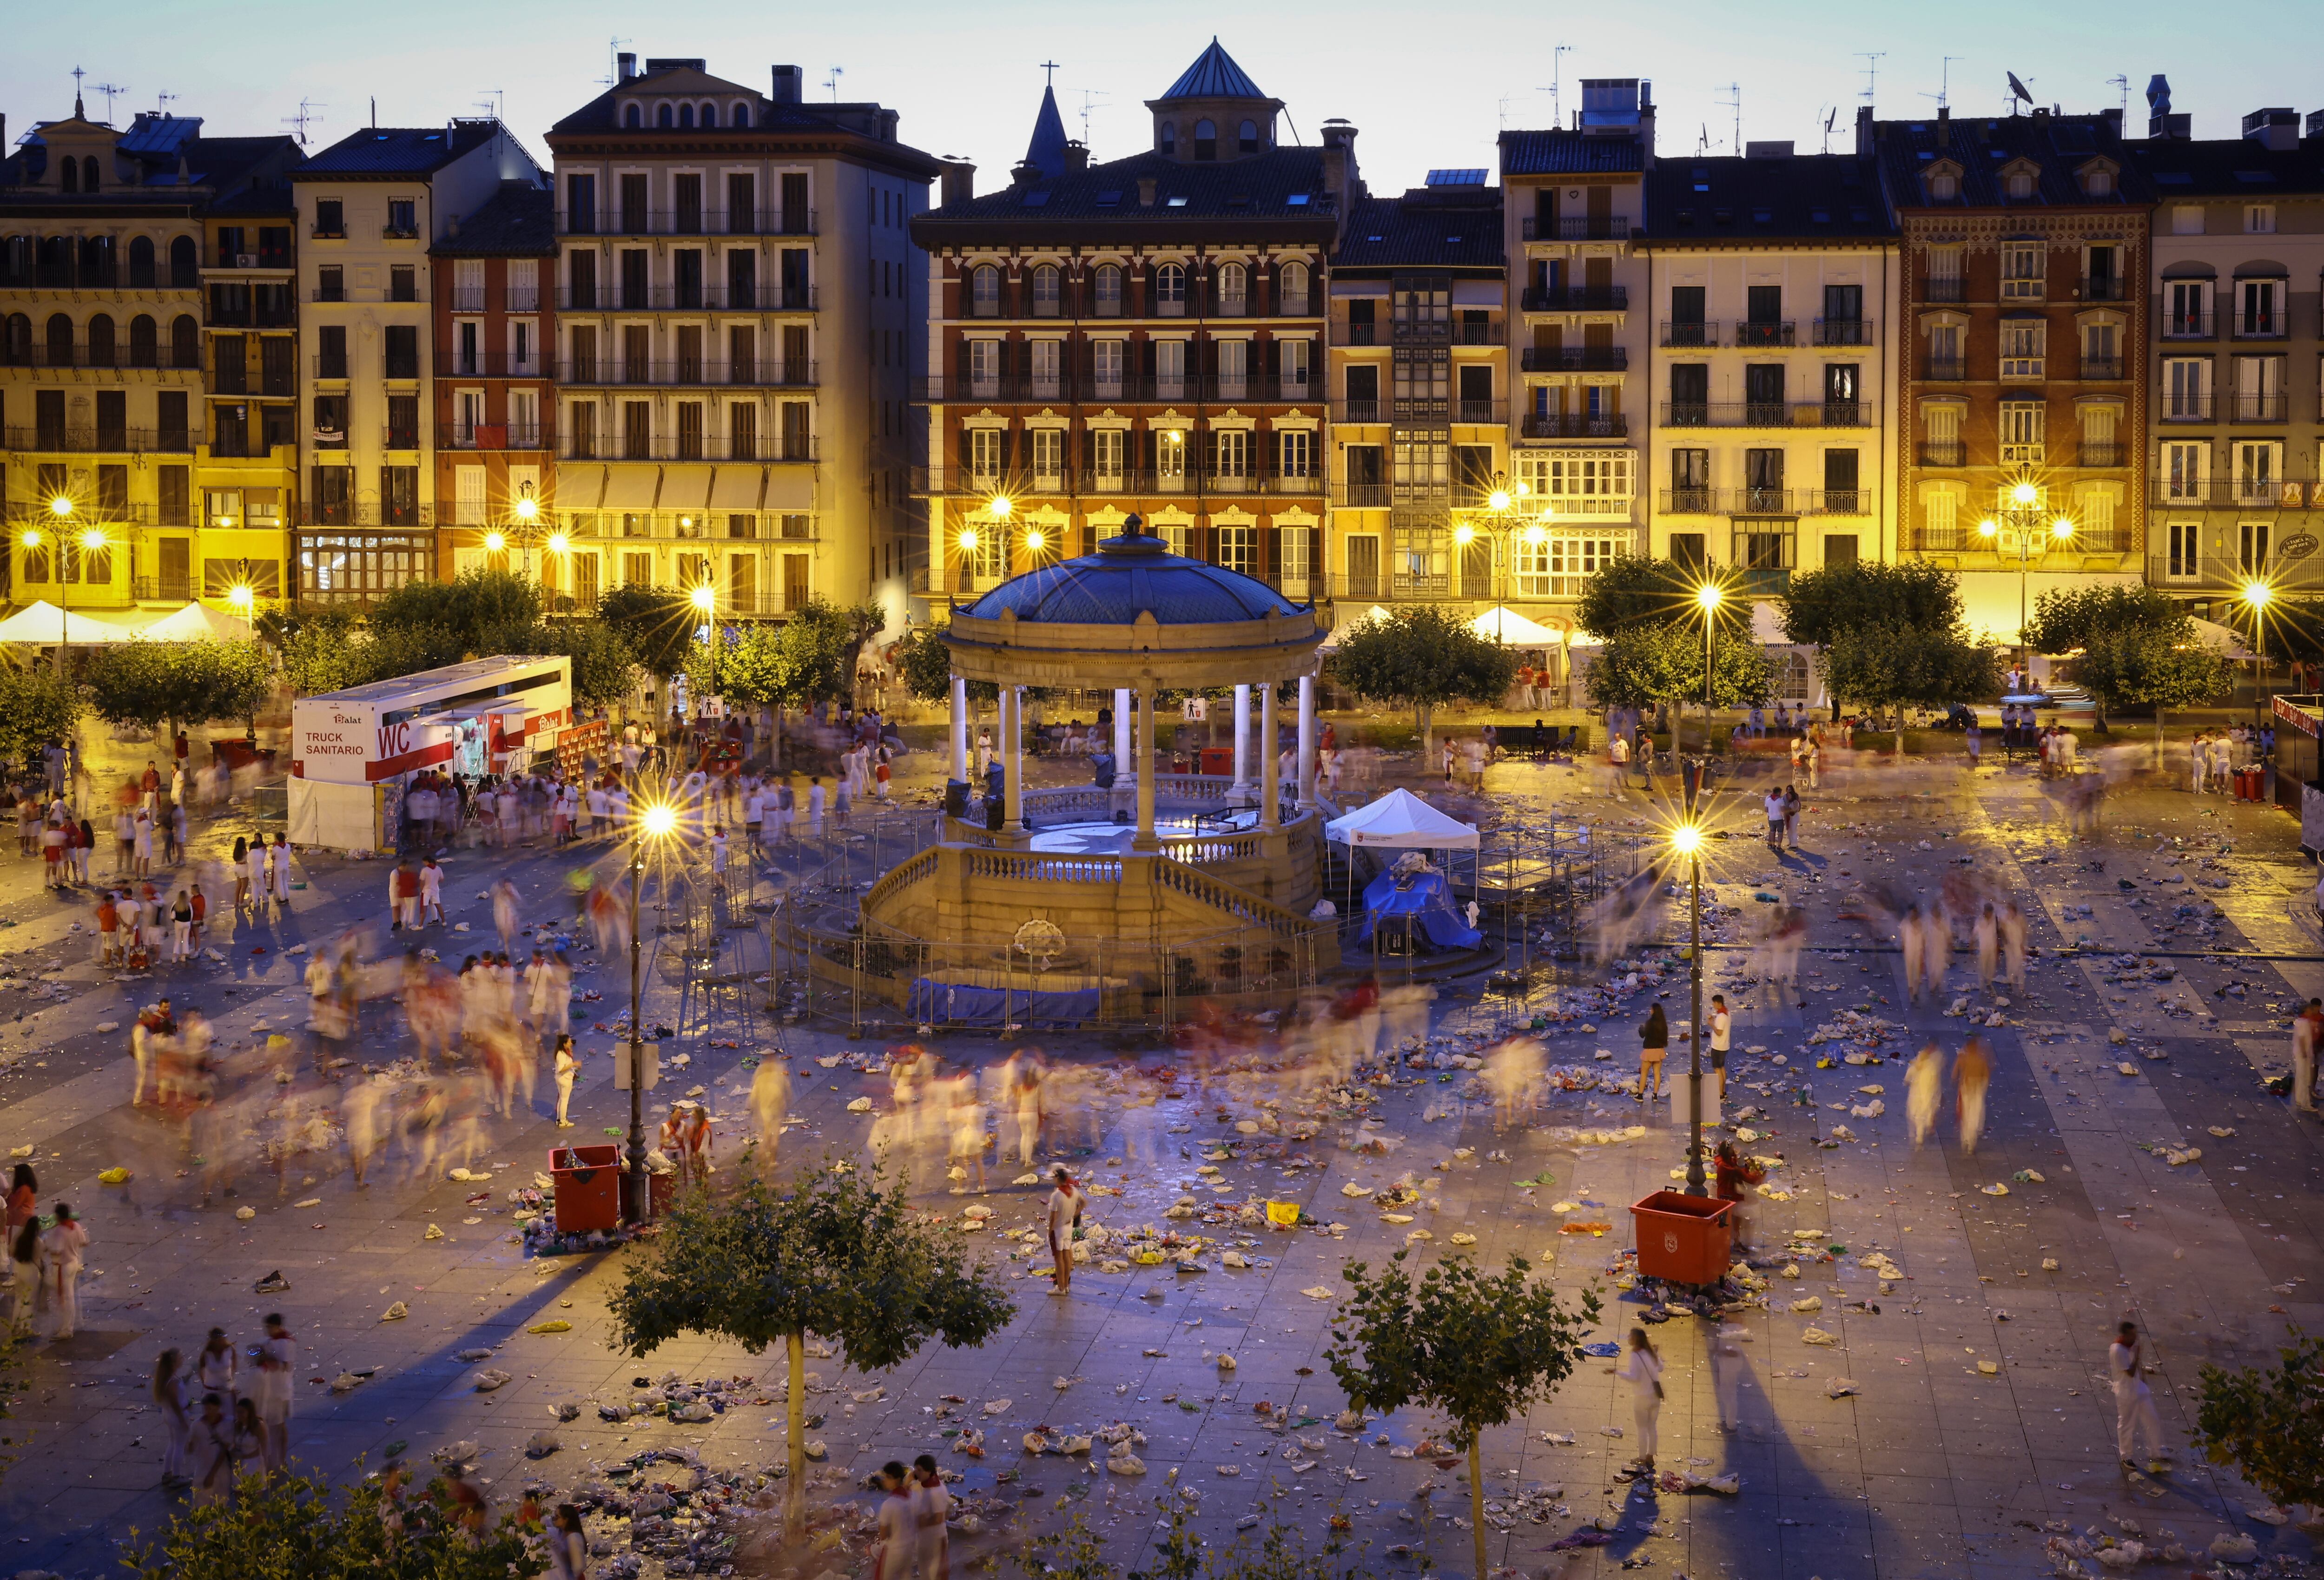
{"type": "Point", "coordinates": [658, 623]}
{"type": "Point", "coordinates": [35, 708]}
{"type": "Point", "coordinates": [1901, 666]}
{"type": "Point", "coordinates": [1636, 589]}
{"type": "Point", "coordinates": [1480, 1348]}
{"type": "Point", "coordinates": [285, 1527]}
{"type": "Point", "coordinates": [1422, 656]}
{"type": "Point", "coordinates": [2157, 666]}
{"type": "Point", "coordinates": [2268, 1421]}
{"type": "Point", "coordinates": [924, 664]}
{"type": "Point", "coordinates": [604, 669]}
{"type": "Point", "coordinates": [1643, 665]}
{"type": "Point", "coordinates": [155, 685]}
{"type": "Point", "coordinates": [807, 659]}
{"type": "Point", "coordinates": [473, 615]}
{"type": "Point", "coordinates": [838, 1254]}
{"type": "Point", "coordinates": [1816, 606]}
{"type": "Point", "coordinates": [2066, 618]}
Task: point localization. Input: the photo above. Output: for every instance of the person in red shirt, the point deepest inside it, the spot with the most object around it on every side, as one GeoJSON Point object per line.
{"type": "Point", "coordinates": [201, 907]}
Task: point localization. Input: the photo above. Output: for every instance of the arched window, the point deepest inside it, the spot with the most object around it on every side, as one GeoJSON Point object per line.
{"type": "Point", "coordinates": [2021, 184]}
{"type": "Point", "coordinates": [16, 341]}
{"type": "Point", "coordinates": [1108, 291]}
{"type": "Point", "coordinates": [662, 116]}
{"type": "Point", "coordinates": [984, 292]}
{"type": "Point", "coordinates": [60, 341]}
{"type": "Point", "coordinates": [1235, 289]}
{"type": "Point", "coordinates": [97, 260]}
{"type": "Point", "coordinates": [1291, 288]}
{"type": "Point", "coordinates": [685, 114]}
{"type": "Point", "coordinates": [184, 265]}
{"type": "Point", "coordinates": [144, 342]}
{"type": "Point", "coordinates": [72, 175]}
{"type": "Point", "coordinates": [1943, 188]}
{"type": "Point", "coordinates": [1045, 280]}
{"type": "Point", "coordinates": [140, 261]}
{"type": "Point", "coordinates": [1207, 139]}
{"type": "Point", "coordinates": [632, 116]}
{"type": "Point", "coordinates": [1247, 140]}
{"type": "Point", "coordinates": [88, 174]}
{"type": "Point", "coordinates": [1170, 291]}
{"type": "Point", "coordinates": [1166, 139]}
{"type": "Point", "coordinates": [184, 342]}
{"type": "Point", "coordinates": [100, 341]}
{"type": "Point", "coordinates": [710, 114]}
{"type": "Point", "coordinates": [740, 117]}
{"type": "Point", "coordinates": [56, 263]}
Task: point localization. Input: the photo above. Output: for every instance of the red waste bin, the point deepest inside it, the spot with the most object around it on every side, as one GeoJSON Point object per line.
{"type": "Point", "coordinates": [661, 1190]}
{"type": "Point", "coordinates": [589, 1186]}
{"type": "Point", "coordinates": [1683, 1239]}
{"type": "Point", "coordinates": [1216, 760]}
{"type": "Point", "coordinates": [2251, 784]}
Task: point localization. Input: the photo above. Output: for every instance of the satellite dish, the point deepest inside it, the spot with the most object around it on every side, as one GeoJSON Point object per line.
{"type": "Point", "coordinates": [2019, 88]}
{"type": "Point", "coordinates": [1832, 120]}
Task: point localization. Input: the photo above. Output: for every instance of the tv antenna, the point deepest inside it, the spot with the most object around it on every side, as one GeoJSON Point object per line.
{"type": "Point", "coordinates": [1871, 58]}
{"type": "Point", "coordinates": [161, 102]}
{"type": "Point", "coordinates": [108, 90]}
{"type": "Point", "coordinates": [493, 100]}
{"type": "Point", "coordinates": [307, 109]}
{"type": "Point", "coordinates": [2122, 83]}
{"type": "Point", "coordinates": [1731, 97]}
{"type": "Point", "coordinates": [832, 82]}
{"type": "Point", "coordinates": [1944, 80]}
{"type": "Point", "coordinates": [1556, 79]}
{"type": "Point", "coordinates": [612, 61]}
{"type": "Point", "coordinates": [1092, 99]}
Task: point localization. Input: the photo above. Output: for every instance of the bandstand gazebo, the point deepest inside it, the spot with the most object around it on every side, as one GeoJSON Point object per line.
{"type": "Point", "coordinates": [1089, 904]}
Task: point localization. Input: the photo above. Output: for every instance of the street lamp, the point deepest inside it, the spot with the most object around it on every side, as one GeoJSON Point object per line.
{"type": "Point", "coordinates": [658, 821]}
{"type": "Point", "coordinates": [1687, 839]}
{"type": "Point", "coordinates": [1708, 597]}
{"type": "Point", "coordinates": [2256, 596]}
{"type": "Point", "coordinates": [2022, 515]}
{"type": "Point", "coordinates": [239, 596]}
{"type": "Point", "coordinates": [705, 599]}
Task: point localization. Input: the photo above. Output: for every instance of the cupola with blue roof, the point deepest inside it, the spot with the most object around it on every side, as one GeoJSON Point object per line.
{"type": "Point", "coordinates": [1214, 113]}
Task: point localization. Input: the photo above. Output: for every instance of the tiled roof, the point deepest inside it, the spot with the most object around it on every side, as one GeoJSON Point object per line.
{"type": "Point", "coordinates": [398, 151]}
{"type": "Point", "coordinates": [1213, 75]}
{"type": "Point", "coordinates": [2230, 167]}
{"type": "Point", "coordinates": [217, 163]}
{"type": "Point", "coordinates": [1805, 196]}
{"type": "Point", "coordinates": [1134, 575]}
{"type": "Point", "coordinates": [1422, 228]}
{"type": "Point", "coordinates": [2059, 145]}
{"type": "Point", "coordinates": [603, 114]}
{"type": "Point", "coordinates": [1569, 153]}
{"type": "Point", "coordinates": [520, 221]}
{"type": "Point", "coordinates": [1260, 187]}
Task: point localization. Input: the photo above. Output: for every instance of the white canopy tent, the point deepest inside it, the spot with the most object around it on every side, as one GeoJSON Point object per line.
{"type": "Point", "coordinates": [196, 622]}
{"type": "Point", "coordinates": [1401, 821]}
{"type": "Point", "coordinates": [2222, 639]}
{"type": "Point", "coordinates": [1505, 626]}
{"type": "Point", "coordinates": [45, 625]}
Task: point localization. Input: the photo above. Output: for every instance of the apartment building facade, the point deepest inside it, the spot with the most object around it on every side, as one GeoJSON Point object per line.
{"type": "Point", "coordinates": [1144, 334]}
{"type": "Point", "coordinates": [2235, 367]}
{"type": "Point", "coordinates": [370, 208]}
{"type": "Point", "coordinates": [2023, 242]}
{"type": "Point", "coordinates": [492, 403]}
{"type": "Point", "coordinates": [738, 302]}
{"type": "Point", "coordinates": [1572, 197]}
{"type": "Point", "coordinates": [1419, 385]}
{"type": "Point", "coordinates": [147, 442]}
{"type": "Point", "coordinates": [1772, 286]}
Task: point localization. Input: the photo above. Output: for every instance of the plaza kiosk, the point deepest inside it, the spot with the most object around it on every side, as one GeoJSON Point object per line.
{"type": "Point", "coordinates": [352, 751]}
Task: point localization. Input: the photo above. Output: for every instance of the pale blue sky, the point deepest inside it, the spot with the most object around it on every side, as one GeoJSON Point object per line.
{"type": "Point", "coordinates": [1428, 86]}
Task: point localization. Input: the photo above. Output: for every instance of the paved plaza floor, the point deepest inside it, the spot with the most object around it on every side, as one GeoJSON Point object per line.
{"type": "Point", "coordinates": [1977, 1429]}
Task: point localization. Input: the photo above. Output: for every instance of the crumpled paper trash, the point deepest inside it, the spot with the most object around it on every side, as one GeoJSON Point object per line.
{"type": "Point", "coordinates": [2235, 1547]}
{"type": "Point", "coordinates": [1816, 1335]}
{"type": "Point", "coordinates": [395, 1312]}
{"type": "Point", "coordinates": [433, 1233]}
{"type": "Point", "coordinates": [1807, 1304]}
{"type": "Point", "coordinates": [473, 1355]}
{"type": "Point", "coordinates": [541, 1444]}
{"type": "Point", "coordinates": [245, 1213]}
{"type": "Point", "coordinates": [490, 1379]}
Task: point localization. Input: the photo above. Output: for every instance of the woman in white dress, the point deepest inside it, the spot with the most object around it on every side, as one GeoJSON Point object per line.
{"type": "Point", "coordinates": [173, 1395]}
{"type": "Point", "coordinates": [1642, 1369]}
{"type": "Point", "coordinates": [279, 863]}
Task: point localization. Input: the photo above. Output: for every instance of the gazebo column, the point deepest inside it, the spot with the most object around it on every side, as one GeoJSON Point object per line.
{"type": "Point", "coordinates": [1304, 777]}
{"type": "Point", "coordinates": [1241, 743]}
{"type": "Point", "coordinates": [1125, 772]}
{"type": "Point", "coordinates": [1012, 746]}
{"type": "Point", "coordinates": [960, 726]}
{"type": "Point", "coordinates": [1143, 840]}
{"type": "Point", "coordinates": [1270, 756]}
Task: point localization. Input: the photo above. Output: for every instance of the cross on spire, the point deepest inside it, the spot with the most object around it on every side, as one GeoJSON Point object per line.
{"type": "Point", "coordinates": [1051, 67]}
{"type": "Point", "coordinates": [78, 113]}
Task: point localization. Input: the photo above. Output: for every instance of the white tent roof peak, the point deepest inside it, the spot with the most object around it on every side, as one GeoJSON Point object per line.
{"type": "Point", "coordinates": [1401, 821]}
{"type": "Point", "coordinates": [45, 625]}
{"type": "Point", "coordinates": [1507, 627]}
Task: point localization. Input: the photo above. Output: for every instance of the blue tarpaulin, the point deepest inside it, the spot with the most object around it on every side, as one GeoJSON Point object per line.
{"type": "Point", "coordinates": [966, 1004]}
{"type": "Point", "coordinates": [1427, 902]}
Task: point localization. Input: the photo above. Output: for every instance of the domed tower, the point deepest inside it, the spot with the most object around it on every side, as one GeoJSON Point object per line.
{"type": "Point", "coordinates": [1214, 113]}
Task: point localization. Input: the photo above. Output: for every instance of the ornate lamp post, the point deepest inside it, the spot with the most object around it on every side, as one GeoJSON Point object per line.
{"type": "Point", "coordinates": [2023, 516]}
{"type": "Point", "coordinates": [1687, 839]}
{"type": "Point", "coordinates": [655, 821]}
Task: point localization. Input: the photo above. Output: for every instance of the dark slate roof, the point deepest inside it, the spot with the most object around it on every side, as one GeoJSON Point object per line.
{"type": "Point", "coordinates": [397, 151]}
{"type": "Point", "coordinates": [2229, 166]}
{"type": "Point", "coordinates": [1984, 146]}
{"type": "Point", "coordinates": [1809, 197]}
{"type": "Point", "coordinates": [1427, 225]}
{"type": "Point", "coordinates": [1129, 575]}
{"type": "Point", "coordinates": [1213, 75]}
{"type": "Point", "coordinates": [603, 114]}
{"type": "Point", "coordinates": [1047, 151]}
{"type": "Point", "coordinates": [217, 163]}
{"type": "Point", "coordinates": [1259, 187]}
{"type": "Point", "coordinates": [519, 221]}
{"type": "Point", "coordinates": [1569, 153]}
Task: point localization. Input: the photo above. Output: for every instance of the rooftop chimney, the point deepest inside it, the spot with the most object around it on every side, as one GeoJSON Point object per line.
{"type": "Point", "coordinates": [625, 65]}
{"type": "Point", "coordinates": [2315, 127]}
{"type": "Point", "coordinates": [957, 183]}
{"type": "Point", "coordinates": [1755, 150]}
{"type": "Point", "coordinates": [1864, 132]}
{"type": "Point", "coordinates": [1944, 128]}
{"type": "Point", "coordinates": [787, 86]}
{"type": "Point", "coordinates": [2276, 129]}
{"type": "Point", "coordinates": [1076, 156]}
{"type": "Point", "coordinates": [1023, 174]}
{"type": "Point", "coordinates": [1145, 188]}
{"type": "Point", "coordinates": [1339, 178]}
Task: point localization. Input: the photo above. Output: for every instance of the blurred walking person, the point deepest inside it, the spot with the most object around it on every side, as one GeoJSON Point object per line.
{"type": "Point", "coordinates": [1972, 1074]}
{"type": "Point", "coordinates": [1924, 1088]}
{"type": "Point", "coordinates": [2134, 1402]}
{"type": "Point", "coordinates": [1642, 1369]}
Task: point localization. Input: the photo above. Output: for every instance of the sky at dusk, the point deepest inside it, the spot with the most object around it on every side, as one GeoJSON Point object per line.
{"type": "Point", "coordinates": [1428, 87]}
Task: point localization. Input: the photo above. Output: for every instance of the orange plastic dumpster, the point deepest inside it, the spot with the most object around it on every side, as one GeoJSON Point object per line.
{"type": "Point", "coordinates": [1683, 1239]}
{"type": "Point", "coordinates": [589, 1186]}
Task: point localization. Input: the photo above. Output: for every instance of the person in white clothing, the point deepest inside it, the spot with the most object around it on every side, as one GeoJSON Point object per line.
{"type": "Point", "coordinates": [2134, 1403]}
{"type": "Point", "coordinates": [278, 862]}
{"type": "Point", "coordinates": [432, 891]}
{"type": "Point", "coordinates": [1722, 1028]}
{"type": "Point", "coordinates": [65, 1245]}
{"type": "Point", "coordinates": [1642, 1369]}
{"type": "Point", "coordinates": [173, 1397]}
{"type": "Point", "coordinates": [899, 1544]}
{"type": "Point", "coordinates": [1064, 1216]}
{"type": "Point", "coordinates": [568, 1545]}
{"type": "Point", "coordinates": [931, 1507]}
{"type": "Point", "coordinates": [219, 1368]}
{"type": "Point", "coordinates": [278, 1367]}
{"type": "Point", "coordinates": [568, 1067]}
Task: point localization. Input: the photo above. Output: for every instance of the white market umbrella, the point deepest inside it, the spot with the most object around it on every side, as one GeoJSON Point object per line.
{"type": "Point", "coordinates": [43, 624]}
{"type": "Point", "coordinates": [1510, 628]}
{"type": "Point", "coordinates": [196, 622]}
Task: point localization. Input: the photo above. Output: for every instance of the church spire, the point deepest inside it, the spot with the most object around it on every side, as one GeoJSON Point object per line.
{"type": "Point", "coordinates": [1047, 151]}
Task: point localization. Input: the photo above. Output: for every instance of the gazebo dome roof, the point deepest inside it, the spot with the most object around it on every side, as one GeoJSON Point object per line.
{"type": "Point", "coordinates": [1131, 575]}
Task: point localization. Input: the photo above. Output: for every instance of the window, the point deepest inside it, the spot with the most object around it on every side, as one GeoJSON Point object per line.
{"type": "Point", "coordinates": [1170, 291]}
{"type": "Point", "coordinates": [2022, 342]}
{"type": "Point", "coordinates": [2185, 468]}
{"type": "Point", "coordinates": [1940, 516]}
{"type": "Point", "coordinates": [1107, 448]}
{"type": "Point", "coordinates": [984, 557]}
{"type": "Point", "coordinates": [401, 343]}
{"type": "Point", "coordinates": [2186, 219]}
{"type": "Point", "coordinates": [2187, 389]}
{"type": "Point", "coordinates": [1292, 359]}
{"type": "Point", "coordinates": [1689, 481]}
{"type": "Point", "coordinates": [1578, 482]}
{"type": "Point", "coordinates": [2183, 562]}
{"type": "Point", "coordinates": [2093, 517]}
{"type": "Point", "coordinates": [2022, 432]}
{"type": "Point", "coordinates": [2022, 271]}
{"type": "Point", "coordinates": [1235, 289]}
{"type": "Point", "coordinates": [1048, 458]}
{"type": "Point", "coordinates": [1170, 458]}
{"type": "Point", "coordinates": [2102, 350]}
{"type": "Point", "coordinates": [2259, 388]}
{"type": "Point", "coordinates": [1165, 137]}
{"type": "Point", "coordinates": [1207, 139]}
{"type": "Point", "coordinates": [2252, 548]}
{"type": "Point", "coordinates": [403, 283]}
{"type": "Point", "coordinates": [1233, 362]}
{"type": "Point", "coordinates": [985, 457]}
{"type": "Point", "coordinates": [1944, 284]}
{"type": "Point", "coordinates": [1232, 447]}
{"type": "Point", "coordinates": [2258, 471]}
{"type": "Point", "coordinates": [984, 292]}
{"type": "Point", "coordinates": [1046, 281]}
{"type": "Point", "coordinates": [330, 217]}
{"type": "Point", "coordinates": [2020, 185]}
{"type": "Point", "coordinates": [402, 217]}
{"type": "Point", "coordinates": [2259, 307]}
{"type": "Point", "coordinates": [2187, 308]}
{"type": "Point", "coordinates": [1247, 138]}
{"type": "Point", "coordinates": [1045, 357]}
{"type": "Point", "coordinates": [1763, 481]}
{"type": "Point", "coordinates": [2097, 183]}
{"type": "Point", "coordinates": [1238, 548]}
{"type": "Point", "coordinates": [1294, 558]}
{"type": "Point", "coordinates": [1843, 387]}
{"type": "Point", "coordinates": [1169, 368]}
{"type": "Point", "coordinates": [984, 366]}
{"type": "Point", "coordinates": [1842, 495]}
{"type": "Point", "coordinates": [1107, 292]}
{"type": "Point", "coordinates": [1943, 187]}
{"type": "Point", "coordinates": [1291, 288]}
{"type": "Point", "coordinates": [2259, 219]}
{"type": "Point", "coordinates": [1295, 453]}
{"type": "Point", "coordinates": [1105, 369]}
